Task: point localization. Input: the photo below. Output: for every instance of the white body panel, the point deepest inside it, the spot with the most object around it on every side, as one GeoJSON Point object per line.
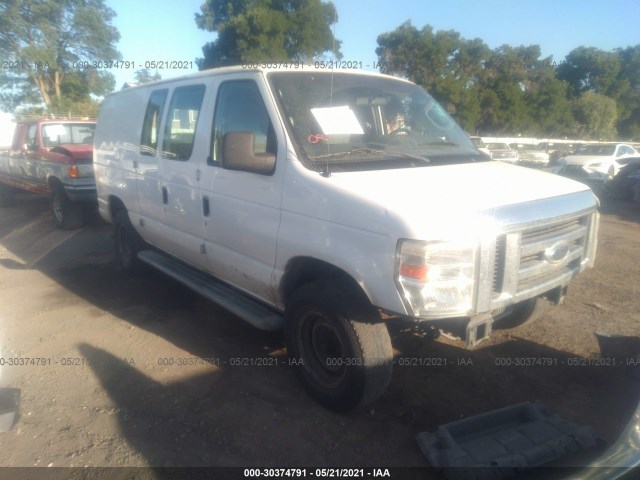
{"type": "Point", "coordinates": [257, 224]}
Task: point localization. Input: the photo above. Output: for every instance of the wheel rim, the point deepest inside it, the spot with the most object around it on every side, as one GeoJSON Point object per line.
{"type": "Point", "coordinates": [58, 209]}
{"type": "Point", "coordinates": [322, 349]}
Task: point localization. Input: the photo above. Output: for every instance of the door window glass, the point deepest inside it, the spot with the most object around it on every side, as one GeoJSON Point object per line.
{"type": "Point", "coordinates": [182, 120]}
{"type": "Point", "coordinates": [151, 125]}
{"type": "Point", "coordinates": [240, 108]}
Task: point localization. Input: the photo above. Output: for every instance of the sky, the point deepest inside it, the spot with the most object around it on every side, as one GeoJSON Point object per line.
{"type": "Point", "coordinates": [165, 29]}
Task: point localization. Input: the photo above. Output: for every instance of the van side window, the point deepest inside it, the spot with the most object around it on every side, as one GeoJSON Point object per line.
{"type": "Point", "coordinates": [182, 120]}
{"type": "Point", "coordinates": [151, 125]}
{"type": "Point", "coordinates": [240, 108]}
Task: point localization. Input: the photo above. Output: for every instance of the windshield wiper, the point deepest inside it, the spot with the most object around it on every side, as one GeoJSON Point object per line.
{"type": "Point", "coordinates": [350, 152]}
{"type": "Point", "coordinates": [413, 157]}
{"type": "Point", "coordinates": [443, 143]}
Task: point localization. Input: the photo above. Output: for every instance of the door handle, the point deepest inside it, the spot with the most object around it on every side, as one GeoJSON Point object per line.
{"type": "Point", "coordinates": [165, 195]}
{"type": "Point", "coordinates": [205, 206]}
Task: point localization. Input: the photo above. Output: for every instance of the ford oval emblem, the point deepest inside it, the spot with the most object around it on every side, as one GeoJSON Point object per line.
{"type": "Point", "coordinates": [557, 252]}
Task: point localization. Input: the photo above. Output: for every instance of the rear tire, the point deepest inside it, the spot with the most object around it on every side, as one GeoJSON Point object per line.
{"type": "Point", "coordinates": [338, 345]}
{"type": "Point", "coordinates": [67, 214]}
{"type": "Point", "coordinates": [127, 243]}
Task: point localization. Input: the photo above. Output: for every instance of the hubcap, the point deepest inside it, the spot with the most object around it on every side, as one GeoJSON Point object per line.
{"type": "Point", "coordinates": [57, 207]}
{"type": "Point", "coordinates": [322, 349]}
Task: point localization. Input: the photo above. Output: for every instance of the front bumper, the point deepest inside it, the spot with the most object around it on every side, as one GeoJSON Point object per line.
{"type": "Point", "coordinates": [79, 191]}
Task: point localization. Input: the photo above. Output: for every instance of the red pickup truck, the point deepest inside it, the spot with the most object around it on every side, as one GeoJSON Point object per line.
{"type": "Point", "coordinates": [53, 158]}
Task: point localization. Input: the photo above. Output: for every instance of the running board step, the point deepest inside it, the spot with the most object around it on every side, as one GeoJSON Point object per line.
{"type": "Point", "coordinates": [249, 310]}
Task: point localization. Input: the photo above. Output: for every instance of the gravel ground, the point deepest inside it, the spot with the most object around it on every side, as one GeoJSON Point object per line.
{"type": "Point", "coordinates": [138, 371]}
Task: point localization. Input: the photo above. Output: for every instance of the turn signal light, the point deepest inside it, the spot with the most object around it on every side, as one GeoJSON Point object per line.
{"type": "Point", "coordinates": [416, 272]}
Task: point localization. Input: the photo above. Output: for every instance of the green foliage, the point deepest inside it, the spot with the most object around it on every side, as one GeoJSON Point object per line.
{"type": "Point", "coordinates": [596, 115]}
{"type": "Point", "coordinates": [145, 76]}
{"type": "Point", "coordinates": [266, 30]}
{"type": "Point", "coordinates": [512, 90]}
{"type": "Point", "coordinates": [43, 39]}
{"type": "Point", "coordinates": [589, 70]}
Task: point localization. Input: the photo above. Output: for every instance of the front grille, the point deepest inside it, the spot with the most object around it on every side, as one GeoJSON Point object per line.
{"type": "Point", "coordinates": [535, 268]}
{"type": "Point", "coordinates": [526, 261]}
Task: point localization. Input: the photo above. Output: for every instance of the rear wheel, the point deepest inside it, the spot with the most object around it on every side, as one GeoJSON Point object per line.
{"type": "Point", "coordinates": [127, 243]}
{"type": "Point", "coordinates": [67, 214]}
{"type": "Point", "coordinates": [339, 347]}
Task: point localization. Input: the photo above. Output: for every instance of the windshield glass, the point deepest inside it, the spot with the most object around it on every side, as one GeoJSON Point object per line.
{"type": "Point", "coordinates": [498, 146]}
{"type": "Point", "coordinates": [346, 121]}
{"type": "Point", "coordinates": [597, 150]}
{"type": "Point", "coordinates": [477, 141]}
{"type": "Point", "coordinates": [67, 134]}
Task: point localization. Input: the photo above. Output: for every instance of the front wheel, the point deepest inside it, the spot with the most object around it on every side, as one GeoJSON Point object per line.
{"type": "Point", "coordinates": [339, 347]}
{"type": "Point", "coordinates": [523, 313]}
{"type": "Point", "coordinates": [127, 243]}
{"type": "Point", "coordinates": [67, 214]}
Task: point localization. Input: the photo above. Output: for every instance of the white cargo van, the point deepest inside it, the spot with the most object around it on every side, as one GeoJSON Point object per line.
{"type": "Point", "coordinates": [324, 202]}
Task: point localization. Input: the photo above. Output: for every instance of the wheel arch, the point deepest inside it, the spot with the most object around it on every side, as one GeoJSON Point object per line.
{"type": "Point", "coordinates": [115, 204]}
{"type": "Point", "coordinates": [302, 270]}
{"type": "Point", "coordinates": [54, 183]}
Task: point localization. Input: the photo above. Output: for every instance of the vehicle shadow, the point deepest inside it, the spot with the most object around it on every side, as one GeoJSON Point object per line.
{"type": "Point", "coordinates": [624, 210]}
{"type": "Point", "coordinates": [173, 427]}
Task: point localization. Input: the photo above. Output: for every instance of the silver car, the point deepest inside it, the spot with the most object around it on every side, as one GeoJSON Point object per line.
{"type": "Point", "coordinates": [502, 151]}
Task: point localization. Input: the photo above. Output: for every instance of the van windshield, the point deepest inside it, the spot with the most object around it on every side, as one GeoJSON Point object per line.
{"type": "Point", "coordinates": [346, 121]}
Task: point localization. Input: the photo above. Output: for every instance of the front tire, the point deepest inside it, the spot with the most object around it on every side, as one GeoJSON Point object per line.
{"type": "Point", "coordinates": [522, 314]}
{"type": "Point", "coordinates": [338, 345]}
{"type": "Point", "coordinates": [67, 214]}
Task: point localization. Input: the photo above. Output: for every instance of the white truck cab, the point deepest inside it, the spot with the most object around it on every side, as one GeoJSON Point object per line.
{"type": "Point", "coordinates": [323, 202]}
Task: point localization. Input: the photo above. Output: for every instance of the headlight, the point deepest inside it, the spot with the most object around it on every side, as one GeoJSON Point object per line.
{"type": "Point", "coordinates": [436, 280]}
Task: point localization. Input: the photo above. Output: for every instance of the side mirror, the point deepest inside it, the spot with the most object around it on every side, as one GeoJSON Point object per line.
{"type": "Point", "coordinates": [237, 154]}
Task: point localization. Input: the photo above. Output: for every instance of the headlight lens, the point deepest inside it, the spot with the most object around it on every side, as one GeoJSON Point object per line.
{"type": "Point", "coordinates": [436, 279]}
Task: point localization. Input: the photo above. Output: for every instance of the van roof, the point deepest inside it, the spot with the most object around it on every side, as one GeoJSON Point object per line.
{"type": "Point", "coordinates": [280, 67]}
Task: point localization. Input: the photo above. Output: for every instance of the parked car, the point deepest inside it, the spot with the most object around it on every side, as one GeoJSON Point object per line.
{"type": "Point", "coordinates": [480, 145]}
{"type": "Point", "coordinates": [325, 202]}
{"type": "Point", "coordinates": [529, 154]}
{"type": "Point", "coordinates": [557, 150]}
{"type": "Point", "coordinates": [52, 158]}
{"type": "Point", "coordinates": [598, 161]}
{"type": "Point", "coordinates": [502, 151]}
{"type": "Point", "coordinates": [623, 184]}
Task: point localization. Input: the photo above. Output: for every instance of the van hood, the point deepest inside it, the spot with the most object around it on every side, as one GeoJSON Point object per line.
{"type": "Point", "coordinates": [416, 202]}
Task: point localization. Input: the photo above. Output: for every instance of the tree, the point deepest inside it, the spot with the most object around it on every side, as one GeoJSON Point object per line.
{"type": "Point", "coordinates": [50, 43]}
{"type": "Point", "coordinates": [252, 31]}
{"type": "Point", "coordinates": [596, 116]}
{"type": "Point", "coordinates": [588, 69]}
{"type": "Point", "coordinates": [443, 63]}
{"type": "Point", "coordinates": [145, 76]}
{"type": "Point", "coordinates": [626, 91]}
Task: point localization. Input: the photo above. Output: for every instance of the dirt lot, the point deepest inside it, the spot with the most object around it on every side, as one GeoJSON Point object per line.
{"type": "Point", "coordinates": [138, 371]}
